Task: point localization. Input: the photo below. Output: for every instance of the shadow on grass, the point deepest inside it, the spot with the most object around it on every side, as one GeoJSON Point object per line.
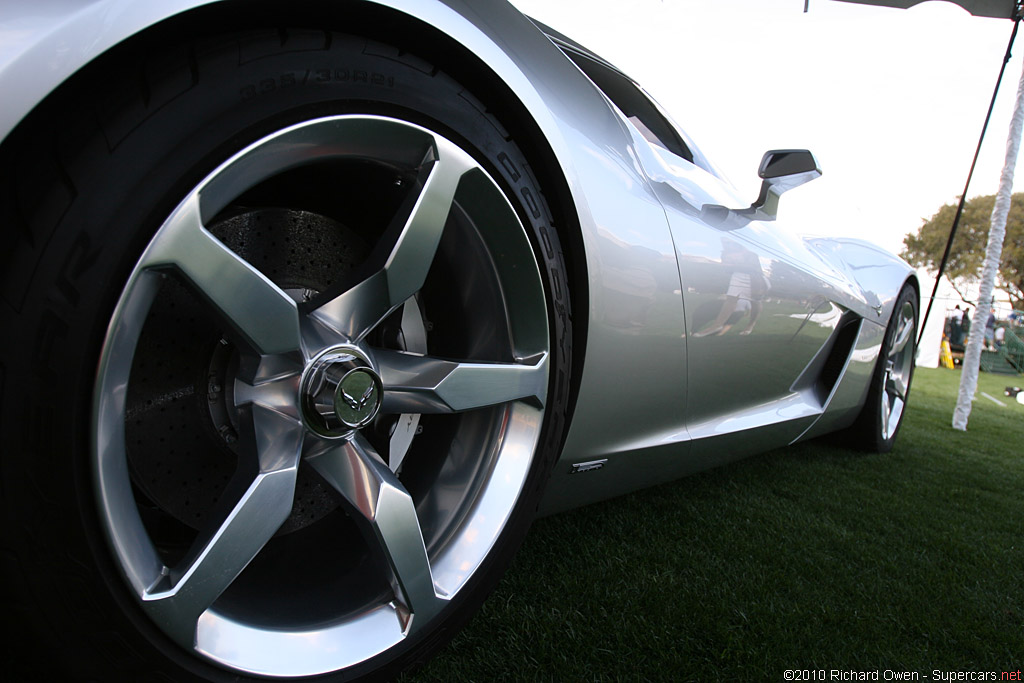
{"type": "Point", "coordinates": [810, 557]}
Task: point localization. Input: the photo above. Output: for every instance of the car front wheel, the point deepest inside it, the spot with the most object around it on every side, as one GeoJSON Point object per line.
{"type": "Point", "coordinates": [311, 361]}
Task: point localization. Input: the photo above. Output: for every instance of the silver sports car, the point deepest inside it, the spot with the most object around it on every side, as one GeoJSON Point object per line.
{"type": "Point", "coordinates": [309, 308]}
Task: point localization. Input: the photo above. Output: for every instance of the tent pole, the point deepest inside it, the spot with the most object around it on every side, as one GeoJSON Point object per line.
{"type": "Point", "coordinates": [990, 268]}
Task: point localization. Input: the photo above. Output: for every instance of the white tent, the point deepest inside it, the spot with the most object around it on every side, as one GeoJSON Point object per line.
{"type": "Point", "coordinates": [945, 299]}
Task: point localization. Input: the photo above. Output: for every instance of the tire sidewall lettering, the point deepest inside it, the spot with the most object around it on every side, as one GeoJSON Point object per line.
{"type": "Point", "coordinates": [315, 76]}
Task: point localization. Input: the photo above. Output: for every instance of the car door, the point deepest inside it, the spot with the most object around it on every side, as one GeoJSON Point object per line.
{"type": "Point", "coordinates": [760, 308]}
{"type": "Point", "coordinates": [760, 311]}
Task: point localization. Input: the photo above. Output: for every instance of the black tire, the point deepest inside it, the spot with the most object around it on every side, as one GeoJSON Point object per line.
{"type": "Point", "coordinates": [880, 420]}
{"type": "Point", "coordinates": [89, 180]}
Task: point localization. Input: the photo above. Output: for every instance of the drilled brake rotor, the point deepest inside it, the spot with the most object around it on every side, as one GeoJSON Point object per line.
{"type": "Point", "coordinates": [182, 427]}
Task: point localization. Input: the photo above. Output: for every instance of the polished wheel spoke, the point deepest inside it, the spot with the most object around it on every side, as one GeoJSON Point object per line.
{"type": "Point", "coordinates": [358, 310]}
{"type": "Point", "coordinates": [420, 384]}
{"type": "Point", "coordinates": [903, 334]}
{"type": "Point", "coordinates": [257, 309]}
{"type": "Point", "coordinates": [353, 468]}
{"type": "Point", "coordinates": [896, 386]}
{"type": "Point", "coordinates": [250, 511]}
{"type": "Point", "coordinates": [278, 395]}
{"type": "Point", "coordinates": [886, 413]}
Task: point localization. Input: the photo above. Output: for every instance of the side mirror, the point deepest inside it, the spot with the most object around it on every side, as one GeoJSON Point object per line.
{"type": "Point", "coordinates": [780, 170]}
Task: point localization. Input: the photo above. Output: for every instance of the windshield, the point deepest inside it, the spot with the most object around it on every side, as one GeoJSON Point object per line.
{"type": "Point", "coordinates": [635, 103]}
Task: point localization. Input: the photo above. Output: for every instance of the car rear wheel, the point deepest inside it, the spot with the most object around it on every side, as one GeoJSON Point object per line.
{"type": "Point", "coordinates": [312, 369]}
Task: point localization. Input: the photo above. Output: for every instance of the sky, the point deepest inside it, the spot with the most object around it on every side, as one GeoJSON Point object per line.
{"type": "Point", "coordinates": [890, 101]}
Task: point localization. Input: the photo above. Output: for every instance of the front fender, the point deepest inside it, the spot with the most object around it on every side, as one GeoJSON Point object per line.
{"type": "Point", "coordinates": [42, 44]}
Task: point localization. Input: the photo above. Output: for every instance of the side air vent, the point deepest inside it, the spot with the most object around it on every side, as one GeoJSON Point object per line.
{"type": "Point", "coordinates": [821, 375]}
{"type": "Point", "coordinates": [844, 338]}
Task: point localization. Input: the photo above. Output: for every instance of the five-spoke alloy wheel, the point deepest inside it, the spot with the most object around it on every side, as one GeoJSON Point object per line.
{"type": "Point", "coordinates": [308, 383]}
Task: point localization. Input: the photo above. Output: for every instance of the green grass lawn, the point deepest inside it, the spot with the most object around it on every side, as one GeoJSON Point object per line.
{"type": "Point", "coordinates": [809, 557]}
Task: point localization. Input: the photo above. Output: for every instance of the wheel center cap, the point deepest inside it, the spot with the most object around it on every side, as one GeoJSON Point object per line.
{"type": "Point", "coordinates": [340, 392]}
{"type": "Point", "coordinates": [357, 397]}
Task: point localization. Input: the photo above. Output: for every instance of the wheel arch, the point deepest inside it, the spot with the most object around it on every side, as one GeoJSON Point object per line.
{"type": "Point", "coordinates": [913, 282]}
{"type": "Point", "coordinates": [58, 53]}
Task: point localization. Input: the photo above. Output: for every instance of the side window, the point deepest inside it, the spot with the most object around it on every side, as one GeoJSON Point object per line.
{"type": "Point", "coordinates": [633, 103]}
